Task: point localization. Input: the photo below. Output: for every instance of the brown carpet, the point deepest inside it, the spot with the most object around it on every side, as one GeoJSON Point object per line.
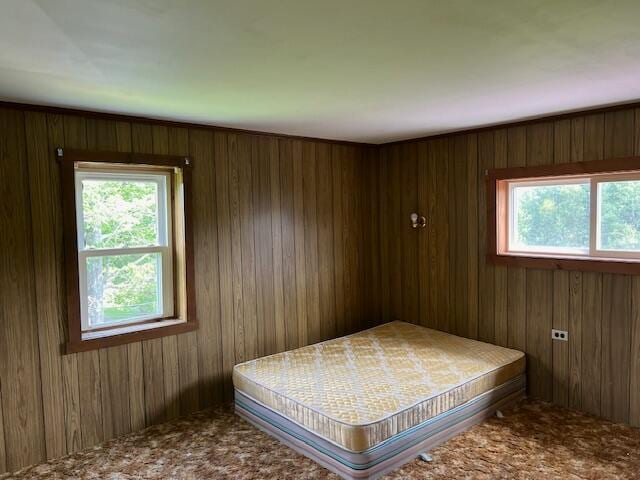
{"type": "Point", "coordinates": [534, 440]}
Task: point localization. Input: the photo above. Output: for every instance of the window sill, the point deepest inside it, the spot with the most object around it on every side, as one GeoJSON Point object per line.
{"type": "Point", "coordinates": [547, 262]}
{"type": "Point", "coordinates": [130, 334]}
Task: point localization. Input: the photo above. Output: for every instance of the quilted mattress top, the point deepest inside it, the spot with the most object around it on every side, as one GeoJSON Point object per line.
{"type": "Point", "coordinates": [374, 375]}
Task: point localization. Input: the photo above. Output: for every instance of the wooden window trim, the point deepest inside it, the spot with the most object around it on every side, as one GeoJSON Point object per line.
{"type": "Point", "coordinates": [496, 188]}
{"type": "Point", "coordinates": [184, 273]}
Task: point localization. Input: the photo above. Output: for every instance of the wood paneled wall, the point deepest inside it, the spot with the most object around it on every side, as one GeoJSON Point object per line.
{"type": "Point", "coordinates": [438, 277]}
{"type": "Point", "coordinates": [279, 247]}
{"type": "Point", "coordinates": [298, 241]}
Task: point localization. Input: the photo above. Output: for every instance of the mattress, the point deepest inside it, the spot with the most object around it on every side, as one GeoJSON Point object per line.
{"type": "Point", "coordinates": [358, 391]}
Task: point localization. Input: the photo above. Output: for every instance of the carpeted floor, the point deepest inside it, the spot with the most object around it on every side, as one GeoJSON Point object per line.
{"type": "Point", "coordinates": [534, 440]}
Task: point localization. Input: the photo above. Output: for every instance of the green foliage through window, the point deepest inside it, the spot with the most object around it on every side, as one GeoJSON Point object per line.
{"type": "Point", "coordinates": [121, 287]}
{"type": "Point", "coordinates": [620, 215]}
{"type": "Point", "coordinates": [121, 214]}
{"type": "Point", "coordinates": [552, 215]}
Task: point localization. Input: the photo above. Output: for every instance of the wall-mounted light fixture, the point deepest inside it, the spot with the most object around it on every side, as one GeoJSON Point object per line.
{"type": "Point", "coordinates": [418, 221]}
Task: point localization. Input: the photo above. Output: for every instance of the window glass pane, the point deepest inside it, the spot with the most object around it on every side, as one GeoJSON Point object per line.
{"type": "Point", "coordinates": [123, 287]}
{"type": "Point", "coordinates": [619, 215]}
{"type": "Point", "coordinates": [550, 217]}
{"type": "Point", "coordinates": [119, 213]}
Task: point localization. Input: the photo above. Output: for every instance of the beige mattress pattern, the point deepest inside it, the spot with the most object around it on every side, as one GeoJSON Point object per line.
{"type": "Point", "coordinates": [359, 390]}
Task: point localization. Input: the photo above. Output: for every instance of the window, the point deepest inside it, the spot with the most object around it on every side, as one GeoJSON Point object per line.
{"type": "Point", "coordinates": [549, 216]}
{"type": "Point", "coordinates": [129, 234]}
{"type": "Point", "coordinates": [124, 247]}
{"type": "Point", "coordinates": [583, 216]}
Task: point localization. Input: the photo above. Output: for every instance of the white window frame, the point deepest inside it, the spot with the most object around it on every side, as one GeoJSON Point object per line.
{"type": "Point", "coordinates": [164, 246]}
{"type": "Point", "coordinates": [594, 251]}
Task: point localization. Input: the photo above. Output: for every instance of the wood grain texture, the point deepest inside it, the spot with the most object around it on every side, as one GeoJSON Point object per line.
{"type": "Point", "coordinates": [561, 289]}
{"type": "Point", "coordinates": [19, 367]}
{"type": "Point", "coordinates": [598, 369]}
{"type": "Point", "coordinates": [591, 332]}
{"type": "Point", "coordinates": [501, 299]}
{"type": "Point", "coordinates": [634, 369]}
{"type": "Point", "coordinates": [261, 203]}
{"type": "Point", "coordinates": [338, 245]}
{"type": "Point", "coordinates": [309, 187]}
{"type": "Point", "coordinates": [486, 272]}
{"type": "Point", "coordinates": [3, 450]}
{"type": "Point", "coordinates": [225, 257]}
{"type": "Point", "coordinates": [634, 373]}
{"type": "Point", "coordinates": [473, 177]}
{"type": "Point", "coordinates": [539, 285]}
{"type": "Point", "coordinates": [169, 345]}
{"type": "Point", "coordinates": [281, 232]}
{"type": "Point", "coordinates": [49, 335]}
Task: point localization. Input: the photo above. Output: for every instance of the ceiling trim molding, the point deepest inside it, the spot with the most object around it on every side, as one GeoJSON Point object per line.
{"type": "Point", "coordinates": [168, 123]}
{"type": "Point", "coordinates": [174, 123]}
{"type": "Point", "coordinates": [518, 123]}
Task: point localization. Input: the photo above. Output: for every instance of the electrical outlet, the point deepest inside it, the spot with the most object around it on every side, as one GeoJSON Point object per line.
{"type": "Point", "coordinates": [560, 335]}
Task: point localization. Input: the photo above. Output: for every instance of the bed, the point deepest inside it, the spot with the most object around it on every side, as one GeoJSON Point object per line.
{"type": "Point", "coordinates": [364, 404]}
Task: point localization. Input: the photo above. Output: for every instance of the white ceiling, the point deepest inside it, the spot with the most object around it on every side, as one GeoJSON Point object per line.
{"type": "Point", "coordinates": [361, 70]}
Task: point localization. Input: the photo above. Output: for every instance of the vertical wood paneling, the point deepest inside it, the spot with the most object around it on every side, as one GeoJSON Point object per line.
{"type": "Point", "coordinates": [372, 281]}
{"type": "Point", "coordinates": [539, 286]}
{"type": "Point", "coordinates": [136, 386]}
{"type": "Point", "coordinates": [50, 338]}
{"type": "Point", "coordinates": [187, 343]}
{"type": "Point", "coordinates": [69, 363]}
{"type": "Point", "coordinates": [309, 182]}
{"type": "Point", "coordinates": [276, 233]}
{"type": "Point", "coordinates": [224, 259]}
{"type": "Point", "coordinates": [352, 238]}
{"type": "Point", "coordinates": [439, 151]}
{"type": "Point", "coordinates": [19, 367]}
{"type": "Point", "coordinates": [326, 278]}
{"type": "Point", "coordinates": [598, 369]}
{"type": "Point", "coordinates": [634, 384]}
{"type": "Point", "coordinates": [236, 250]}
{"type": "Point", "coordinates": [3, 450]}
{"type": "Point", "coordinates": [432, 151]}
{"type": "Point", "coordinates": [591, 333]}
{"type": "Point", "coordinates": [408, 165]}
{"type": "Point", "coordinates": [516, 277]}
{"type": "Point", "coordinates": [473, 218]}
{"type": "Point", "coordinates": [337, 159]}
{"type": "Point", "coordinates": [261, 158]}
{"type": "Point", "coordinates": [561, 289]}
{"type": "Point", "coordinates": [249, 311]}
{"type": "Point", "coordinates": [169, 344]}
{"type": "Point", "coordinates": [385, 240]}
{"type": "Point", "coordinates": [501, 300]}
{"type": "Point", "coordinates": [279, 228]}
{"type": "Point", "coordinates": [201, 149]}
{"type": "Point", "coordinates": [395, 232]}
{"type": "Point", "coordinates": [575, 291]}
{"type": "Point", "coordinates": [459, 236]}
{"type": "Point", "coordinates": [634, 370]}
{"type": "Point", "coordinates": [423, 260]}
{"type": "Point", "coordinates": [486, 271]}
{"type": "Point", "coordinates": [288, 243]}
